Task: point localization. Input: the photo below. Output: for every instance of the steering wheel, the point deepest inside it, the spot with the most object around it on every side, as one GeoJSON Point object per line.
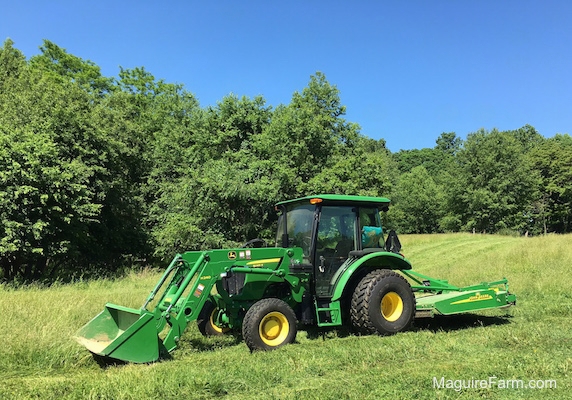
{"type": "Point", "coordinates": [255, 243]}
{"type": "Point", "coordinates": [307, 242]}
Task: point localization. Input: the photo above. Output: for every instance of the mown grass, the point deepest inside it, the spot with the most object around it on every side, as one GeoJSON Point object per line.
{"type": "Point", "coordinates": [39, 358]}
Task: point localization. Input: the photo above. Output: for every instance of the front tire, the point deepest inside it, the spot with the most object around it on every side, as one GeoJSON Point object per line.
{"type": "Point", "coordinates": [269, 324]}
{"type": "Point", "coordinates": [206, 321]}
{"type": "Point", "coordinates": [382, 303]}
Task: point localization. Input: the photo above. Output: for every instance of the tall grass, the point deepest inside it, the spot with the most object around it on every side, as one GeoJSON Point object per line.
{"type": "Point", "coordinates": [39, 359]}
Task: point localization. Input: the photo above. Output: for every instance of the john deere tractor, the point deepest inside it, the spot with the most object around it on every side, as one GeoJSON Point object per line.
{"type": "Point", "coordinates": [331, 265]}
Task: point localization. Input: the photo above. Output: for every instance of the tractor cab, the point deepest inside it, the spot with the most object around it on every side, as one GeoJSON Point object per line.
{"type": "Point", "coordinates": [328, 228]}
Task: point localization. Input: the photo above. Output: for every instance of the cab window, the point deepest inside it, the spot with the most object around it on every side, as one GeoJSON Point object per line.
{"type": "Point", "coordinates": [336, 237]}
{"type": "Point", "coordinates": [370, 228]}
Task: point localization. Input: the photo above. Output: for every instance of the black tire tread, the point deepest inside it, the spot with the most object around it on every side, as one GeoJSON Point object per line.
{"type": "Point", "coordinates": [255, 314]}
{"type": "Point", "coordinates": [361, 304]}
{"type": "Point", "coordinates": [204, 320]}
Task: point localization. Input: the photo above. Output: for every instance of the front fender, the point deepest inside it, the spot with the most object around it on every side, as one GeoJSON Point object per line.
{"type": "Point", "coordinates": [371, 261]}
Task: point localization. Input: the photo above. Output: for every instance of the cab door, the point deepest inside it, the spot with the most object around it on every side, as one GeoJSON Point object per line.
{"type": "Point", "coordinates": [336, 236]}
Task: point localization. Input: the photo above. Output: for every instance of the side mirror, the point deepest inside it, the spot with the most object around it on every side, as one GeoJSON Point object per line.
{"type": "Point", "coordinates": [392, 244]}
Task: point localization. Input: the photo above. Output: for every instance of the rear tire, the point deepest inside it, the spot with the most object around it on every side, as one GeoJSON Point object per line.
{"type": "Point", "coordinates": [382, 303]}
{"type": "Point", "coordinates": [269, 324]}
{"type": "Point", "coordinates": [206, 321]}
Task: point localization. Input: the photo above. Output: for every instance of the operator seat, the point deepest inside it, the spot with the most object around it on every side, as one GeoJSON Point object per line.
{"type": "Point", "coordinates": [344, 247]}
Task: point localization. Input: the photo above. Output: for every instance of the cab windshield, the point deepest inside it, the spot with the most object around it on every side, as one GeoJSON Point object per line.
{"type": "Point", "coordinates": [337, 232]}
{"type": "Point", "coordinates": [299, 232]}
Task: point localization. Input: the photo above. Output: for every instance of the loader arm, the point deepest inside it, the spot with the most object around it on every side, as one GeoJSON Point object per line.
{"type": "Point", "coordinates": [133, 335]}
{"type": "Point", "coordinates": [192, 278]}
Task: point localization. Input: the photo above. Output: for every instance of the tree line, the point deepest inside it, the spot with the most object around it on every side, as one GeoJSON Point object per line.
{"type": "Point", "coordinates": [101, 173]}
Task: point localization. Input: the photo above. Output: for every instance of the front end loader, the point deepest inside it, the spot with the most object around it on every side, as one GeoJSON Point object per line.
{"type": "Point", "coordinates": [331, 265]}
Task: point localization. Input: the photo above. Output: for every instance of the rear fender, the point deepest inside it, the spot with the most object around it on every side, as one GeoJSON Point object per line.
{"type": "Point", "coordinates": [357, 267]}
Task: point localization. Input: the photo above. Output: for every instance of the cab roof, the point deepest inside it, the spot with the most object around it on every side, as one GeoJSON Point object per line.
{"type": "Point", "coordinates": [339, 199]}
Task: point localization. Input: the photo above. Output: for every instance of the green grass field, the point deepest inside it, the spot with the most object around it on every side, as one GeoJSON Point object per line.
{"type": "Point", "coordinates": [532, 341]}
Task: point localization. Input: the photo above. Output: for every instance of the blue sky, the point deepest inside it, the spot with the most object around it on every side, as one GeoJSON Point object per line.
{"type": "Point", "coordinates": [406, 70]}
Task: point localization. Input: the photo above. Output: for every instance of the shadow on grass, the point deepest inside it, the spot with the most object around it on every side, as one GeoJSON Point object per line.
{"type": "Point", "coordinates": [200, 344]}
{"type": "Point", "coordinates": [106, 362]}
{"type": "Point", "coordinates": [438, 323]}
{"type": "Point", "coordinates": [314, 332]}
{"type": "Point", "coordinates": [450, 323]}
{"type": "Point", "coordinates": [213, 343]}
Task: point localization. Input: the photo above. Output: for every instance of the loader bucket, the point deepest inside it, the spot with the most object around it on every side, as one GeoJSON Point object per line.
{"type": "Point", "coordinates": [122, 333]}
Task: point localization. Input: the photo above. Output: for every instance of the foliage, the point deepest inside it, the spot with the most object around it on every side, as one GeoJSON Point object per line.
{"type": "Point", "coordinates": [304, 137]}
{"type": "Point", "coordinates": [419, 203]}
{"type": "Point", "coordinates": [58, 64]}
{"type": "Point", "coordinates": [52, 173]}
{"type": "Point", "coordinates": [552, 159]}
{"type": "Point", "coordinates": [365, 168]}
{"type": "Point", "coordinates": [219, 196]}
{"type": "Point", "coordinates": [64, 185]}
{"type": "Point", "coordinates": [98, 173]}
{"type": "Point", "coordinates": [496, 186]}
{"type": "Point", "coordinates": [12, 62]}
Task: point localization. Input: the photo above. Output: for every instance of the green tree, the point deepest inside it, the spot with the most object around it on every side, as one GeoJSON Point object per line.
{"type": "Point", "coordinates": [151, 122]}
{"type": "Point", "coordinates": [304, 136]}
{"type": "Point", "coordinates": [449, 143]}
{"type": "Point", "coordinates": [364, 168]}
{"type": "Point", "coordinates": [219, 196]}
{"type": "Point", "coordinates": [496, 186]}
{"type": "Point", "coordinates": [528, 137]}
{"type": "Point", "coordinates": [552, 159]}
{"type": "Point", "coordinates": [418, 203]}
{"type": "Point", "coordinates": [62, 66]}
{"type": "Point", "coordinates": [243, 157]}
{"type": "Point", "coordinates": [408, 159]}
{"type": "Point", "coordinates": [12, 62]}
{"type": "Point", "coordinates": [75, 165]}
{"type": "Point", "coordinates": [52, 166]}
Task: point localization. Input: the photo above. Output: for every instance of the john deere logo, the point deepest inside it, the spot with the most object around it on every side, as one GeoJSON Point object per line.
{"type": "Point", "coordinates": [476, 297]}
{"type": "Point", "coordinates": [232, 255]}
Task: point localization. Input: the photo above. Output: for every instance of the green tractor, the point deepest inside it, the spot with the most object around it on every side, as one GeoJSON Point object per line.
{"type": "Point", "coordinates": [331, 265]}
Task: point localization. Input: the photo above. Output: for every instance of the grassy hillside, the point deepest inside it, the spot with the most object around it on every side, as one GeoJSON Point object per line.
{"type": "Point", "coordinates": [532, 341]}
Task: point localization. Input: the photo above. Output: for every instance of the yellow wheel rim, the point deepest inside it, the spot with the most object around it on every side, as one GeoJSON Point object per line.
{"type": "Point", "coordinates": [274, 328]}
{"type": "Point", "coordinates": [215, 327]}
{"type": "Point", "coordinates": [391, 306]}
